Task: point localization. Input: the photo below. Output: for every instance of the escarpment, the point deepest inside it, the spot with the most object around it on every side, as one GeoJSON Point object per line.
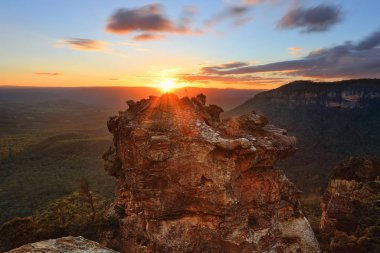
{"type": "Point", "coordinates": [189, 182]}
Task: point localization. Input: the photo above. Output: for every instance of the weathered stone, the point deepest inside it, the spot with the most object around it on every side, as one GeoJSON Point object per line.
{"type": "Point", "coordinates": [191, 183]}
{"type": "Point", "coordinates": [63, 245]}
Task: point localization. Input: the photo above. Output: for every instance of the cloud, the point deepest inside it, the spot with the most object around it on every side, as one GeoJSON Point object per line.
{"type": "Point", "coordinates": [84, 44]}
{"type": "Point", "coordinates": [90, 45]}
{"type": "Point", "coordinates": [229, 65]}
{"type": "Point", "coordinates": [187, 16]}
{"type": "Point", "coordinates": [255, 2]}
{"type": "Point", "coordinates": [148, 36]}
{"type": "Point", "coordinates": [48, 73]}
{"type": "Point", "coordinates": [251, 2]}
{"type": "Point", "coordinates": [238, 14]}
{"type": "Point", "coordinates": [149, 18]}
{"type": "Point", "coordinates": [277, 66]}
{"type": "Point", "coordinates": [370, 42]}
{"type": "Point", "coordinates": [296, 51]}
{"type": "Point", "coordinates": [314, 19]}
{"type": "Point", "coordinates": [347, 60]}
{"type": "Point", "coordinates": [246, 79]}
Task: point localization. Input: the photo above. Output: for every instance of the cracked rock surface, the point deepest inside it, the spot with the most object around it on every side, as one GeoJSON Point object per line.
{"type": "Point", "coordinates": [189, 182]}
{"type": "Point", "coordinates": [63, 245]}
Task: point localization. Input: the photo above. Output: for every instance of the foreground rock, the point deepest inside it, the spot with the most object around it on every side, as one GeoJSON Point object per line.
{"type": "Point", "coordinates": [351, 206]}
{"type": "Point", "coordinates": [187, 182]}
{"type": "Point", "coordinates": [63, 245]}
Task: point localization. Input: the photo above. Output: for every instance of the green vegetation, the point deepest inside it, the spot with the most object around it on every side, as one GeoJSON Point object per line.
{"type": "Point", "coordinates": [363, 235]}
{"type": "Point", "coordinates": [45, 149]}
{"type": "Point", "coordinates": [79, 213]}
{"type": "Point", "coordinates": [362, 169]}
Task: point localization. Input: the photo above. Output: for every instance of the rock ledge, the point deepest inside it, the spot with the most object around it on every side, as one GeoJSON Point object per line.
{"type": "Point", "coordinates": [68, 244]}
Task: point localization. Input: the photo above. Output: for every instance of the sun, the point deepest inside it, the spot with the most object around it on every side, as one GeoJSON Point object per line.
{"type": "Point", "coordinates": [167, 85]}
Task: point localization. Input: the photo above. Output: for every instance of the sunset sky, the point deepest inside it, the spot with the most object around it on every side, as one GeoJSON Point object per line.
{"type": "Point", "coordinates": [214, 43]}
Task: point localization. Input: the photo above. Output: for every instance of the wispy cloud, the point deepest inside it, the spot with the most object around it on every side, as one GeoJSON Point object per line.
{"type": "Point", "coordinates": [149, 36]}
{"type": "Point", "coordinates": [313, 19]}
{"type": "Point", "coordinates": [230, 79]}
{"type": "Point", "coordinates": [348, 60]}
{"type": "Point", "coordinates": [85, 44]}
{"type": "Point", "coordinates": [256, 2]}
{"type": "Point", "coordinates": [48, 73]}
{"type": "Point", "coordinates": [238, 14]}
{"type": "Point", "coordinates": [111, 48]}
{"type": "Point", "coordinates": [229, 65]}
{"type": "Point", "coordinates": [295, 51]}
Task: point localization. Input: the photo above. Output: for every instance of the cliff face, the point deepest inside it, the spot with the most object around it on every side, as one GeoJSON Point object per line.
{"type": "Point", "coordinates": [349, 94]}
{"type": "Point", "coordinates": [187, 182]}
{"type": "Point", "coordinates": [350, 206]}
{"type": "Point", "coordinates": [338, 96]}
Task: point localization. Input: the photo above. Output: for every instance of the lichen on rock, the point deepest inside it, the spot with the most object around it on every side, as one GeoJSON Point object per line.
{"type": "Point", "coordinates": [190, 182]}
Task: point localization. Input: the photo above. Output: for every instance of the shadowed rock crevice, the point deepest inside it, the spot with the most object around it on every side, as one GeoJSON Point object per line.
{"type": "Point", "coordinates": [189, 182]}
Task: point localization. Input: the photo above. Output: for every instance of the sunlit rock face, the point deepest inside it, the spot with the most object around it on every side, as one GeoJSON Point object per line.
{"type": "Point", "coordinates": [187, 182]}
{"type": "Point", "coordinates": [63, 245]}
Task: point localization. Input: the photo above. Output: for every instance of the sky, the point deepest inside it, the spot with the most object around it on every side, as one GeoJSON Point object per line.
{"type": "Point", "coordinates": [247, 44]}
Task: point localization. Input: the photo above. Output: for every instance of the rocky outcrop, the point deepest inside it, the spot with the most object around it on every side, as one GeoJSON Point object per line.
{"type": "Point", "coordinates": [188, 182]}
{"type": "Point", "coordinates": [63, 245]}
{"type": "Point", "coordinates": [351, 205]}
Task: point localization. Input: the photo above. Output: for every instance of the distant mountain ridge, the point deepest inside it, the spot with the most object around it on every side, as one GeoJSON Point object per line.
{"type": "Point", "coordinates": [342, 94]}
{"type": "Point", "coordinates": [115, 97]}
{"type": "Point", "coordinates": [330, 120]}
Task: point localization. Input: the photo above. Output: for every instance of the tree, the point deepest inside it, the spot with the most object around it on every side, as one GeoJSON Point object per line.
{"type": "Point", "coordinates": [84, 188]}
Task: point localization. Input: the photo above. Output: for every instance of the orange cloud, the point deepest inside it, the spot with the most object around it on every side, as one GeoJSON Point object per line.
{"type": "Point", "coordinates": [85, 44]}
{"type": "Point", "coordinates": [148, 36]}
{"type": "Point", "coordinates": [296, 51]}
{"type": "Point", "coordinates": [48, 73]}
{"type": "Point", "coordinates": [231, 79]}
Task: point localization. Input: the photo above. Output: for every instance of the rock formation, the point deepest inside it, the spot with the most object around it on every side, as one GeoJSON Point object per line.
{"type": "Point", "coordinates": [351, 206]}
{"type": "Point", "coordinates": [188, 182]}
{"type": "Point", "coordinates": [63, 245]}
